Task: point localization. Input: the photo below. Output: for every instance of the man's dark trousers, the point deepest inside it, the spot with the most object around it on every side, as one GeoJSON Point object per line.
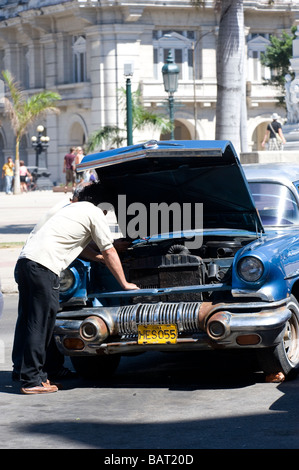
{"type": "Point", "coordinates": [38, 305]}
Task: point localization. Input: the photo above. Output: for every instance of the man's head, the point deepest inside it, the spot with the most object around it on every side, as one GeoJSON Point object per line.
{"type": "Point", "coordinates": [91, 192]}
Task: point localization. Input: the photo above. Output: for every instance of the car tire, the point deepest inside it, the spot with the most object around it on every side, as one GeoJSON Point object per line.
{"type": "Point", "coordinates": [285, 356]}
{"type": "Point", "coordinates": [95, 367]}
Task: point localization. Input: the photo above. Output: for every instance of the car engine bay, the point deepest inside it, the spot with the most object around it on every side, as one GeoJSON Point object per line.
{"type": "Point", "coordinates": [169, 263]}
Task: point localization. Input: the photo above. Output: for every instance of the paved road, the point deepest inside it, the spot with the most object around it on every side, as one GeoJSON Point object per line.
{"type": "Point", "coordinates": [154, 401]}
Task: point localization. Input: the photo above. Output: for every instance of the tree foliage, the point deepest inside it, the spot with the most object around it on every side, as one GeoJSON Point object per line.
{"type": "Point", "coordinates": [142, 117]}
{"type": "Point", "coordinates": [277, 58]}
{"type": "Point", "coordinates": [111, 136]}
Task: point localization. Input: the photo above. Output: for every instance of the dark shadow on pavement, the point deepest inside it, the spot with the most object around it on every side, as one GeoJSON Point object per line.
{"type": "Point", "coordinates": [16, 229]}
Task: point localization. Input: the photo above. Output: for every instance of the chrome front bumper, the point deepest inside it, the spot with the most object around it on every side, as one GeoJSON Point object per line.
{"type": "Point", "coordinates": [201, 325]}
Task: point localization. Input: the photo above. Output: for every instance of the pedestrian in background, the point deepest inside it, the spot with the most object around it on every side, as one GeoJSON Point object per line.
{"type": "Point", "coordinates": [79, 155]}
{"type": "Point", "coordinates": [24, 175]}
{"type": "Point", "coordinates": [7, 174]}
{"type": "Point", "coordinates": [90, 176]}
{"type": "Point", "coordinates": [274, 134]}
{"type": "Point", "coordinates": [69, 169]}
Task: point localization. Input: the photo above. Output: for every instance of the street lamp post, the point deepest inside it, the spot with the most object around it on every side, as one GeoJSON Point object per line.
{"type": "Point", "coordinates": [170, 72]}
{"type": "Point", "coordinates": [39, 143]}
{"type": "Point", "coordinates": [128, 73]}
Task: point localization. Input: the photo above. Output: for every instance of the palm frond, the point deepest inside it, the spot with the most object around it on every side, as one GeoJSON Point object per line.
{"type": "Point", "coordinates": [110, 135]}
{"type": "Point", "coordinates": [142, 117]}
{"type": "Point", "coordinates": [17, 95]}
{"type": "Point", "coordinates": [156, 121]}
{"type": "Point", "coordinates": [23, 111]}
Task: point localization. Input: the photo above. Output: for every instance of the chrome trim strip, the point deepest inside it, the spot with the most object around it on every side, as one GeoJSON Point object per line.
{"type": "Point", "coordinates": [163, 291]}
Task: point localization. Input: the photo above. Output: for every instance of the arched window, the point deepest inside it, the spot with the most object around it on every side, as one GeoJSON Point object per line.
{"type": "Point", "coordinates": [180, 45]}
{"type": "Point", "coordinates": [79, 59]}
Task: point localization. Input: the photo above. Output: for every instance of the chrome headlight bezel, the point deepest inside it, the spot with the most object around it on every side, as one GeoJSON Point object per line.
{"type": "Point", "coordinates": [250, 269]}
{"type": "Point", "coordinates": [67, 280]}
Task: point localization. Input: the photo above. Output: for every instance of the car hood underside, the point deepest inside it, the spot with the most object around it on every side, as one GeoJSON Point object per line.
{"type": "Point", "coordinates": [182, 172]}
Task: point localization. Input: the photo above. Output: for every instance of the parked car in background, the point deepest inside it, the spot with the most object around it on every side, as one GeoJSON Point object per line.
{"type": "Point", "coordinates": [215, 254]}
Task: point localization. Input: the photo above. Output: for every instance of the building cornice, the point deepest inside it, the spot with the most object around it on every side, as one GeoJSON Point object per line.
{"type": "Point", "coordinates": [131, 10]}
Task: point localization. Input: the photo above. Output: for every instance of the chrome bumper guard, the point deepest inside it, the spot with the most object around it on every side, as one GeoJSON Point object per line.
{"type": "Point", "coordinates": [200, 325]}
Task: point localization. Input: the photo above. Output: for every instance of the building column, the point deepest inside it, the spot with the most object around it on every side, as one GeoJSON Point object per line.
{"type": "Point", "coordinates": [35, 64]}
{"type": "Point", "coordinates": [103, 77]}
{"type": "Point", "coordinates": [49, 42]}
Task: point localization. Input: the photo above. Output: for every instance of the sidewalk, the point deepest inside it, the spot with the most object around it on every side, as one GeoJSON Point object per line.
{"type": "Point", "coordinates": [18, 215]}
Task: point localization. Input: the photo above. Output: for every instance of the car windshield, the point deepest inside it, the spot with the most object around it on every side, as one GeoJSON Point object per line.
{"type": "Point", "coordinates": [276, 204]}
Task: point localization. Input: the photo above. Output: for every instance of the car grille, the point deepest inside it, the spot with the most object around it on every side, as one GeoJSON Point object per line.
{"type": "Point", "coordinates": [183, 314]}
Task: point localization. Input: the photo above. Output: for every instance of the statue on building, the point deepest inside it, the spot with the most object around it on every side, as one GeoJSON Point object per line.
{"type": "Point", "coordinates": [291, 128]}
{"type": "Point", "coordinates": [292, 99]}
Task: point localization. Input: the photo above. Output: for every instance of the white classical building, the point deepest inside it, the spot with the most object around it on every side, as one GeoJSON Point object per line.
{"type": "Point", "coordinates": [79, 48]}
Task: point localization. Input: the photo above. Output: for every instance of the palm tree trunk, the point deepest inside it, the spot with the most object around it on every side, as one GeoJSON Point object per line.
{"type": "Point", "coordinates": [16, 184]}
{"type": "Point", "coordinates": [230, 60]}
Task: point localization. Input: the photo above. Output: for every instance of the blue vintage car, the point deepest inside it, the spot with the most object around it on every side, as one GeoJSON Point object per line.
{"type": "Point", "coordinates": [214, 248]}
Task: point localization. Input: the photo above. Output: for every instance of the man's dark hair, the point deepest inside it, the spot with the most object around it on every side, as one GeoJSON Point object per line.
{"type": "Point", "coordinates": [91, 193]}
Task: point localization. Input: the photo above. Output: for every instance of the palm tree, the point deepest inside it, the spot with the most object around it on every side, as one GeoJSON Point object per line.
{"type": "Point", "coordinates": [231, 116]}
{"type": "Point", "coordinates": [230, 74]}
{"type": "Point", "coordinates": [22, 112]}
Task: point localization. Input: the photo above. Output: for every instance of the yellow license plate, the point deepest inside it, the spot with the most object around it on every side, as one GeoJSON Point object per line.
{"type": "Point", "coordinates": [157, 334]}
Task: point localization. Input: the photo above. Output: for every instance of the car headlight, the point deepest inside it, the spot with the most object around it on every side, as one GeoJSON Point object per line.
{"type": "Point", "coordinates": [67, 280]}
{"type": "Point", "coordinates": [250, 269]}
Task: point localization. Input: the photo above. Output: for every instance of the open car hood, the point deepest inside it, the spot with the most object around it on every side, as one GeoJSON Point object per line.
{"type": "Point", "coordinates": [207, 172]}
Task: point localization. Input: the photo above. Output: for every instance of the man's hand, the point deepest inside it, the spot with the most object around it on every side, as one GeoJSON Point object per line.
{"type": "Point", "coordinates": [131, 286]}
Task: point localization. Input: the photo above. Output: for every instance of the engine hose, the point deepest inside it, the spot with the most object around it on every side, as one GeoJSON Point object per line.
{"type": "Point", "coordinates": [177, 250]}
